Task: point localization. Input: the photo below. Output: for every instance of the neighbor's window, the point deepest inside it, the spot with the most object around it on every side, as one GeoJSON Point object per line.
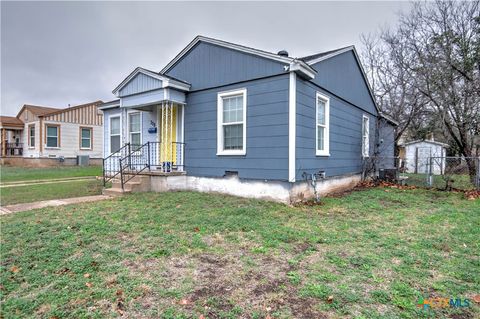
{"type": "Point", "coordinates": [322, 125]}
{"type": "Point", "coordinates": [365, 136]}
{"type": "Point", "coordinates": [31, 136]}
{"type": "Point", "coordinates": [114, 134]}
{"type": "Point", "coordinates": [53, 136]}
{"type": "Point", "coordinates": [135, 128]}
{"type": "Point", "coordinates": [86, 138]}
{"type": "Point", "coordinates": [231, 135]}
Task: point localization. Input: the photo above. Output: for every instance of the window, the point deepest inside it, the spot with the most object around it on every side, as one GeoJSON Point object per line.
{"type": "Point", "coordinates": [134, 128]}
{"type": "Point", "coordinates": [323, 125]}
{"type": "Point", "coordinates": [114, 134]}
{"type": "Point", "coordinates": [53, 136]}
{"type": "Point", "coordinates": [31, 136]}
{"type": "Point", "coordinates": [365, 136]}
{"type": "Point", "coordinates": [86, 138]}
{"type": "Point", "coordinates": [231, 130]}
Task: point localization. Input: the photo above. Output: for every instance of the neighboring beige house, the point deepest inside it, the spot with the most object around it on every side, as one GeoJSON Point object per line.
{"type": "Point", "coordinates": [41, 135]}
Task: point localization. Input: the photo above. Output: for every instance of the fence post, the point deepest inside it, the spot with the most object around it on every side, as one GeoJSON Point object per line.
{"type": "Point", "coordinates": [103, 170]}
{"type": "Point", "coordinates": [430, 172]}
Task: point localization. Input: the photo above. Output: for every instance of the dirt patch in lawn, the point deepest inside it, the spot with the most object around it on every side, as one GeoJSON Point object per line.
{"type": "Point", "coordinates": [216, 285]}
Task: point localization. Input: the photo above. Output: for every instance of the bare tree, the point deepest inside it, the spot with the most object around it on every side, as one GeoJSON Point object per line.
{"type": "Point", "coordinates": [394, 92]}
{"type": "Point", "coordinates": [431, 63]}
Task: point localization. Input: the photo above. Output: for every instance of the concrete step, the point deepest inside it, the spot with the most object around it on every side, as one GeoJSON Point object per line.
{"type": "Point", "coordinates": [114, 192]}
{"type": "Point", "coordinates": [136, 184]}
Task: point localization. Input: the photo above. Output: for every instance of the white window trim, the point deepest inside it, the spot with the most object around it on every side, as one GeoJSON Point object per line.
{"type": "Point", "coordinates": [367, 146]}
{"type": "Point", "coordinates": [90, 139]}
{"type": "Point", "coordinates": [110, 131]}
{"type": "Point", "coordinates": [128, 126]}
{"type": "Point", "coordinates": [326, 141]}
{"type": "Point", "coordinates": [46, 136]}
{"type": "Point", "coordinates": [220, 96]}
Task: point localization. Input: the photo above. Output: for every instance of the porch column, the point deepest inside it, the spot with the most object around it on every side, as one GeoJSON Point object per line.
{"type": "Point", "coordinates": [4, 151]}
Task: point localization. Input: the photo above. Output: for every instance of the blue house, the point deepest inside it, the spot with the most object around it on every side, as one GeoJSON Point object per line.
{"type": "Point", "coordinates": [229, 118]}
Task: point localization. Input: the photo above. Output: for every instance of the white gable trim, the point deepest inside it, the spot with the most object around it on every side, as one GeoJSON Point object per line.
{"type": "Point", "coordinates": [166, 82]}
{"type": "Point", "coordinates": [331, 55]}
{"type": "Point", "coordinates": [241, 48]}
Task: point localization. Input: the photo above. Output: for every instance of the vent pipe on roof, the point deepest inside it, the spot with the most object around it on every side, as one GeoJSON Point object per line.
{"type": "Point", "coordinates": [283, 53]}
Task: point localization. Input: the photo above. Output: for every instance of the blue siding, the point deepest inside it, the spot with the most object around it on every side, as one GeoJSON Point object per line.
{"type": "Point", "coordinates": [267, 132]}
{"type": "Point", "coordinates": [208, 65]}
{"type": "Point", "coordinates": [342, 76]}
{"type": "Point", "coordinates": [345, 134]}
{"type": "Point", "coordinates": [140, 83]}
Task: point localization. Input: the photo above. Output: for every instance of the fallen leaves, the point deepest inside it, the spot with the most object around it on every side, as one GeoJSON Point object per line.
{"type": "Point", "coordinates": [330, 299]}
{"type": "Point", "coordinates": [87, 275]}
{"type": "Point", "coordinates": [14, 269]}
{"type": "Point", "coordinates": [89, 284]}
{"type": "Point", "coordinates": [184, 302]}
{"type": "Point", "coordinates": [472, 194]}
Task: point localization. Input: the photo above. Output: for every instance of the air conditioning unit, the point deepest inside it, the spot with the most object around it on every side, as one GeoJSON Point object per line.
{"type": "Point", "coordinates": [83, 160]}
{"type": "Point", "coordinates": [388, 174]}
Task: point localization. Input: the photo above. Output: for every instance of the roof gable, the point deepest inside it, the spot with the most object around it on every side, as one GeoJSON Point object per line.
{"type": "Point", "coordinates": [341, 72]}
{"type": "Point", "coordinates": [208, 65]}
{"type": "Point", "coordinates": [224, 54]}
{"type": "Point", "coordinates": [37, 110]}
{"type": "Point", "coordinates": [228, 45]}
{"type": "Point", "coordinates": [141, 80]}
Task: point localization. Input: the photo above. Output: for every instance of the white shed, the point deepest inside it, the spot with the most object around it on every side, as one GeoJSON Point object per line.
{"type": "Point", "coordinates": [418, 153]}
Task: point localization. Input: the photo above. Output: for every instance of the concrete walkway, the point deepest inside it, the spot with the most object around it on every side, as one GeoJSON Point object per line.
{"type": "Point", "coordinates": [4, 210]}
{"type": "Point", "coordinates": [46, 181]}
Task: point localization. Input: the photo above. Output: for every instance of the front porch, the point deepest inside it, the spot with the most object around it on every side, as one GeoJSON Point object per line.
{"type": "Point", "coordinates": [150, 122]}
{"type": "Point", "coordinates": [11, 143]}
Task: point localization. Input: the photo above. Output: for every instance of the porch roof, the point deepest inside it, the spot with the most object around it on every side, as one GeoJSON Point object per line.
{"type": "Point", "coordinates": [10, 122]}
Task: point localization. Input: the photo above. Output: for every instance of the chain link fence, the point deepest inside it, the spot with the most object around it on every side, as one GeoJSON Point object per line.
{"type": "Point", "coordinates": [446, 173]}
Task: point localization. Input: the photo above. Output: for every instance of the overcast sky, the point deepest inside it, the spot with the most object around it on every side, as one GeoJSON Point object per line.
{"type": "Point", "coordinates": [60, 53]}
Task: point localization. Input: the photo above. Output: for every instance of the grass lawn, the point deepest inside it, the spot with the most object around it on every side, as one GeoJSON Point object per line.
{"type": "Point", "coordinates": [33, 193]}
{"type": "Point", "coordinates": [370, 254]}
{"type": "Point", "coordinates": [13, 174]}
{"type": "Point", "coordinates": [439, 181]}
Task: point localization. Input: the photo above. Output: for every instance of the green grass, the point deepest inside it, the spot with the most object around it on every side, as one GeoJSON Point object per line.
{"type": "Point", "coordinates": [39, 192]}
{"type": "Point", "coordinates": [370, 254]}
{"type": "Point", "coordinates": [13, 174]}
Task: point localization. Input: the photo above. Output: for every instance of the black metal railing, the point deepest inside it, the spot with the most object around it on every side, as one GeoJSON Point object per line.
{"type": "Point", "coordinates": [111, 163]}
{"type": "Point", "coordinates": [132, 160]}
{"type": "Point", "coordinates": [13, 149]}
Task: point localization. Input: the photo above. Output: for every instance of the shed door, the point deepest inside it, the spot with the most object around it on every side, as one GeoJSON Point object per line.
{"type": "Point", "coordinates": [422, 157]}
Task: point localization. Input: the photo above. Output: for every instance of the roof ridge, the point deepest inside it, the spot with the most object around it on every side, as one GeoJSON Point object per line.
{"type": "Point", "coordinates": [73, 107]}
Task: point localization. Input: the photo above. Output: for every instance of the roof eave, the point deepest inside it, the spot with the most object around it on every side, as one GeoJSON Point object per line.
{"type": "Point", "coordinates": [389, 118]}
{"type": "Point", "coordinates": [302, 69]}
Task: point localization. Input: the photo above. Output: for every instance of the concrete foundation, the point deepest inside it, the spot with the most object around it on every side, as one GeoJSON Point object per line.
{"type": "Point", "coordinates": [271, 190]}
